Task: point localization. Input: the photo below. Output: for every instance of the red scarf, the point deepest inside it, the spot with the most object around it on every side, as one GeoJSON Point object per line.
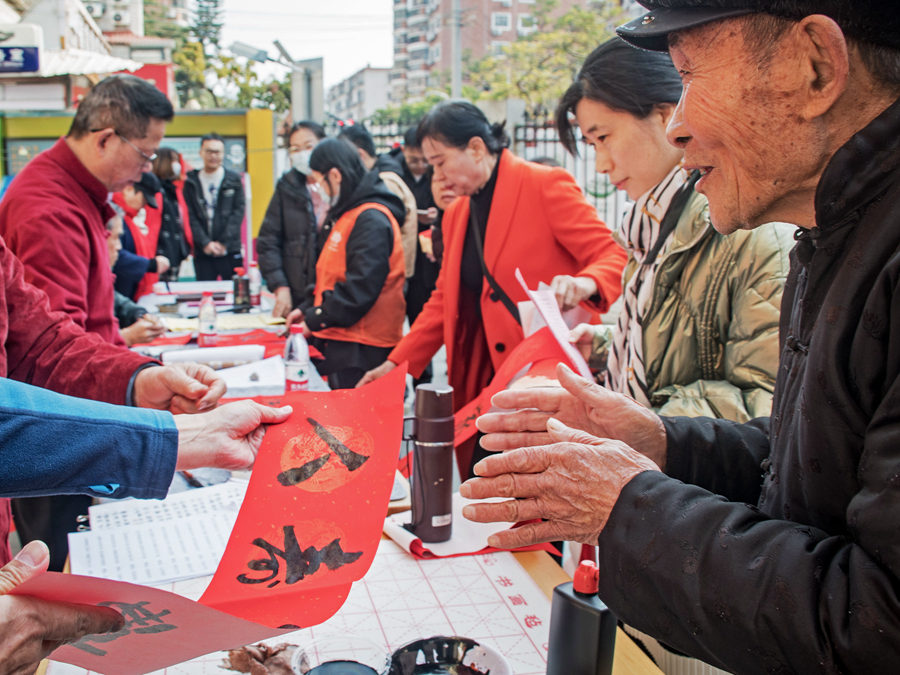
{"type": "Point", "coordinates": [144, 244]}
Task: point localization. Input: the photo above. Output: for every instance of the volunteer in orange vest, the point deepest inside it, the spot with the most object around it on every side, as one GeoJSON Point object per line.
{"type": "Point", "coordinates": [136, 273]}
{"type": "Point", "coordinates": [512, 214]}
{"type": "Point", "coordinates": [355, 316]}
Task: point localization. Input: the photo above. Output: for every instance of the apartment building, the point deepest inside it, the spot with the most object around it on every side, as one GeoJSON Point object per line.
{"type": "Point", "coordinates": [423, 37]}
{"type": "Point", "coordinates": [360, 95]}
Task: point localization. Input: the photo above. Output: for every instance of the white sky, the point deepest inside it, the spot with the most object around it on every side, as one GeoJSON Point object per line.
{"type": "Point", "coordinates": [348, 34]}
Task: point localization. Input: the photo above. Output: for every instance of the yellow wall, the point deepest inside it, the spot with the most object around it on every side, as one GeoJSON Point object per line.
{"type": "Point", "coordinates": [255, 125]}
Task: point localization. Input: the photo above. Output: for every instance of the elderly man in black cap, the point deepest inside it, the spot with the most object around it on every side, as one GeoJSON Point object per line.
{"type": "Point", "coordinates": [772, 546]}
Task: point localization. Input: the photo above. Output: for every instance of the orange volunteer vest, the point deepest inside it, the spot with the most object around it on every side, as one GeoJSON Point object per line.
{"type": "Point", "coordinates": [382, 326]}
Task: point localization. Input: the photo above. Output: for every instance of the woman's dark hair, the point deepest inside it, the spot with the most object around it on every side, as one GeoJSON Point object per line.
{"type": "Point", "coordinates": [622, 78]}
{"type": "Point", "coordinates": [314, 127]}
{"type": "Point", "coordinates": [336, 153]}
{"type": "Point", "coordinates": [162, 165]}
{"type": "Point", "coordinates": [455, 123]}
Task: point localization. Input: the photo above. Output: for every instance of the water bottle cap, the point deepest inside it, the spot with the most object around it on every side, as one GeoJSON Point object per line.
{"type": "Point", "coordinates": [296, 329]}
{"type": "Point", "coordinates": [239, 271]}
{"type": "Point", "coordinates": [587, 577]}
{"type": "Point", "coordinates": [206, 294]}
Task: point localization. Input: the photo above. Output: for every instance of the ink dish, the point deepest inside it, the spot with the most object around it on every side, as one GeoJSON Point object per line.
{"type": "Point", "coordinates": [440, 655]}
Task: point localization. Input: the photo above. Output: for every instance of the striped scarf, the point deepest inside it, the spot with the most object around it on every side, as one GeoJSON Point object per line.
{"type": "Point", "coordinates": [640, 229]}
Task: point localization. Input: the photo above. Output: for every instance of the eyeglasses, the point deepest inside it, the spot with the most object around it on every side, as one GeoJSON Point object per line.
{"type": "Point", "coordinates": [147, 158]}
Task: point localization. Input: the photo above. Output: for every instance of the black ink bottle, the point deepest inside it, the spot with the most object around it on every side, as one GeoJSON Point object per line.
{"type": "Point", "coordinates": [582, 628]}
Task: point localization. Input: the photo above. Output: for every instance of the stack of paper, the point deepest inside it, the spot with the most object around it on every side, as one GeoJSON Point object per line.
{"type": "Point", "coordinates": [154, 542]}
{"type": "Point", "coordinates": [264, 378]}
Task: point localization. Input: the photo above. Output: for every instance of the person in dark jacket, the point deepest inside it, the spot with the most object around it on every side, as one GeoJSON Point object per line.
{"type": "Point", "coordinates": [173, 243]}
{"type": "Point", "coordinates": [286, 244]}
{"type": "Point", "coordinates": [770, 546]}
{"type": "Point", "coordinates": [355, 316]}
{"type": "Point", "coordinates": [215, 201]}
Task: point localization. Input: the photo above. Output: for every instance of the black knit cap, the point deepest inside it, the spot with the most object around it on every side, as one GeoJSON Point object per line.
{"type": "Point", "coordinates": [149, 185]}
{"type": "Point", "coordinates": [874, 21]}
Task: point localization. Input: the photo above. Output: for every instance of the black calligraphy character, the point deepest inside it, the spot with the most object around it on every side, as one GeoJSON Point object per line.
{"type": "Point", "coordinates": [305, 472]}
{"type": "Point", "coordinates": [138, 620]}
{"type": "Point", "coordinates": [299, 562]}
{"type": "Point", "coordinates": [352, 460]}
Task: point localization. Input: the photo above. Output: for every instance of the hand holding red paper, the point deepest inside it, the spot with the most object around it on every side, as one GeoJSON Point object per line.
{"type": "Point", "coordinates": [226, 438]}
{"type": "Point", "coordinates": [308, 528]}
{"type": "Point", "coordinates": [31, 628]}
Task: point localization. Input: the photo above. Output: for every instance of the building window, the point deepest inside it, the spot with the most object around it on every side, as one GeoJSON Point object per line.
{"type": "Point", "coordinates": [505, 3]}
{"type": "Point", "coordinates": [497, 47]}
{"type": "Point", "coordinates": [436, 53]}
{"type": "Point", "coordinates": [501, 22]}
{"type": "Point", "coordinates": [525, 24]}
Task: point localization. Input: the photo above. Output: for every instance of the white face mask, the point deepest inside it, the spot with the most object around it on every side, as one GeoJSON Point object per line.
{"type": "Point", "coordinates": [330, 200]}
{"type": "Point", "coordinates": [300, 161]}
{"type": "Point", "coordinates": [176, 169]}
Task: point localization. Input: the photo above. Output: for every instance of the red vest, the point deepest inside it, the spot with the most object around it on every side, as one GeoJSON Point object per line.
{"type": "Point", "coordinates": [382, 326]}
{"type": "Point", "coordinates": [144, 244]}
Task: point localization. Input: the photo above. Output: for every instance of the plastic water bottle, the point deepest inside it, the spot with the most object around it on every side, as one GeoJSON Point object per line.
{"type": "Point", "coordinates": [255, 285]}
{"type": "Point", "coordinates": [296, 360]}
{"type": "Point", "coordinates": [208, 336]}
{"type": "Point", "coordinates": [241, 284]}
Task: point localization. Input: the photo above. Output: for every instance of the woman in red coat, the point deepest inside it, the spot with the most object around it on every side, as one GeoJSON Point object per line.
{"type": "Point", "coordinates": [526, 216]}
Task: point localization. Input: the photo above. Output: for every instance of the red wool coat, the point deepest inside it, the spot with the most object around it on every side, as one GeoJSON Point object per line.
{"type": "Point", "coordinates": [539, 222]}
{"type": "Point", "coordinates": [53, 218]}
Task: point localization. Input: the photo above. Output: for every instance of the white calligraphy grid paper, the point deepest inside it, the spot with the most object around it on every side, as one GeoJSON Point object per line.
{"type": "Point", "coordinates": [488, 598]}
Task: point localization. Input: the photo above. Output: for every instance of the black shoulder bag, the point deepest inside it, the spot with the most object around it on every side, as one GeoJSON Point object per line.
{"type": "Point", "coordinates": [504, 298]}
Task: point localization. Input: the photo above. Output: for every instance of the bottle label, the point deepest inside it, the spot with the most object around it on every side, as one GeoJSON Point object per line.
{"type": "Point", "coordinates": [441, 521]}
{"type": "Point", "coordinates": [297, 376]}
{"type": "Point", "coordinates": [207, 326]}
{"type": "Point", "coordinates": [207, 340]}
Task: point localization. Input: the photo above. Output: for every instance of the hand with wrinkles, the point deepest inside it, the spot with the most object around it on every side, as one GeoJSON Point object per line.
{"type": "Point", "coordinates": [579, 404]}
{"type": "Point", "coordinates": [573, 483]}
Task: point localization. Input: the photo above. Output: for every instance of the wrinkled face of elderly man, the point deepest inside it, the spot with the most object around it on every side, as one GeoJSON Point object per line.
{"type": "Point", "coordinates": [761, 113]}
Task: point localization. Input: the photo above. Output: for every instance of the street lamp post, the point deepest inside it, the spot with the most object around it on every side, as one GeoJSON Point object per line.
{"type": "Point", "coordinates": [306, 79]}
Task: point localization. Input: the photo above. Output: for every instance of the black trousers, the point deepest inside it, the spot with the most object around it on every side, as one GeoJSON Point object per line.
{"type": "Point", "coordinates": [346, 378]}
{"type": "Point", "coordinates": [50, 519]}
{"type": "Point", "coordinates": [209, 268]}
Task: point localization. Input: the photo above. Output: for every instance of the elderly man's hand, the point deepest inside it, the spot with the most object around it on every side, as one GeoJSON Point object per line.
{"type": "Point", "coordinates": [179, 388]}
{"type": "Point", "coordinates": [573, 484]}
{"type": "Point", "coordinates": [30, 628]}
{"type": "Point", "coordinates": [580, 404]}
{"type": "Point", "coordinates": [226, 438]}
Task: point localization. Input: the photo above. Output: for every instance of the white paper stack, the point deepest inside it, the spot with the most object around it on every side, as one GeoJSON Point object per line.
{"type": "Point", "coordinates": [154, 542]}
{"type": "Point", "coordinates": [263, 378]}
{"type": "Point", "coordinates": [217, 357]}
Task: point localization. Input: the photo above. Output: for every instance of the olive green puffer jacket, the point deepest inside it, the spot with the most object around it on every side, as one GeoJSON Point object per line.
{"type": "Point", "coordinates": [711, 328]}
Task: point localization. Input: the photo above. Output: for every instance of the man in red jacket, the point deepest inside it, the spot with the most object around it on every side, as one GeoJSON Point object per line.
{"type": "Point", "coordinates": [53, 218]}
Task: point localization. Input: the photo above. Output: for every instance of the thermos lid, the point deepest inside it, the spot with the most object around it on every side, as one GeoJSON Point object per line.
{"type": "Point", "coordinates": [434, 401]}
{"type": "Point", "coordinates": [587, 578]}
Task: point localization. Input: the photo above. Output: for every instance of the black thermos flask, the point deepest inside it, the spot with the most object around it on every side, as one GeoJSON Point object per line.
{"type": "Point", "coordinates": [582, 628]}
{"type": "Point", "coordinates": [432, 470]}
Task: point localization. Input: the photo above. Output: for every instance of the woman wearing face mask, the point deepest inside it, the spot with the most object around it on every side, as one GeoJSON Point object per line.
{"type": "Point", "coordinates": [355, 316]}
{"type": "Point", "coordinates": [286, 245]}
{"type": "Point", "coordinates": [175, 239]}
{"type": "Point", "coordinates": [512, 214]}
{"type": "Point", "coordinates": [699, 332]}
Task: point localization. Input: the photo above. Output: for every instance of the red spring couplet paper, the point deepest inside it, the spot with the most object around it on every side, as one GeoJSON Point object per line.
{"type": "Point", "coordinates": [542, 346]}
{"type": "Point", "coordinates": [308, 528]}
{"type": "Point", "coordinates": [161, 628]}
{"type": "Point", "coordinates": [312, 518]}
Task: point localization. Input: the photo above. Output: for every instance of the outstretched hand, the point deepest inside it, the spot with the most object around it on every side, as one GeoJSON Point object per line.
{"type": "Point", "coordinates": [30, 628]}
{"type": "Point", "coordinates": [226, 438]}
{"type": "Point", "coordinates": [579, 404]}
{"type": "Point", "coordinates": [573, 483]}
